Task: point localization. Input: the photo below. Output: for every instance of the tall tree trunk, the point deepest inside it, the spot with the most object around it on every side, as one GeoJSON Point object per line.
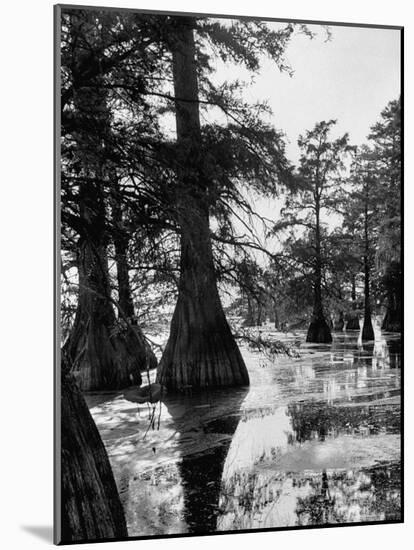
{"type": "Point", "coordinates": [104, 353]}
{"type": "Point", "coordinates": [90, 506]}
{"type": "Point", "coordinates": [319, 331]}
{"type": "Point", "coordinates": [249, 319]}
{"type": "Point", "coordinates": [353, 318]}
{"type": "Point", "coordinates": [124, 288]}
{"type": "Point", "coordinates": [393, 317]}
{"type": "Point", "coordinates": [367, 328]}
{"type": "Point", "coordinates": [276, 316]}
{"type": "Point", "coordinates": [259, 318]}
{"type": "Point", "coordinates": [126, 304]}
{"type": "Point", "coordinates": [394, 349]}
{"type": "Point", "coordinates": [353, 291]}
{"type": "Point", "coordinates": [339, 323]}
{"type": "Point", "coordinates": [201, 350]}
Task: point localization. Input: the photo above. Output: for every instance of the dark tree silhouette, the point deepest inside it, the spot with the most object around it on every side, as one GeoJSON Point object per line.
{"type": "Point", "coordinates": [201, 350]}
{"type": "Point", "coordinates": [367, 328]}
{"type": "Point", "coordinates": [104, 354]}
{"type": "Point", "coordinates": [352, 322]}
{"type": "Point", "coordinates": [91, 508]}
{"type": "Point", "coordinates": [320, 162]}
{"type": "Point", "coordinates": [320, 166]}
{"type": "Point", "coordinates": [361, 206]}
{"type": "Point", "coordinates": [385, 140]}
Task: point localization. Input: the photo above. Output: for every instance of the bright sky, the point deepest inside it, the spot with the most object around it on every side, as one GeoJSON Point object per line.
{"type": "Point", "coordinates": [350, 78]}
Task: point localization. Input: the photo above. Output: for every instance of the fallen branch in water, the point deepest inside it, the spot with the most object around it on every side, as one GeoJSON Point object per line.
{"type": "Point", "coordinates": [271, 347]}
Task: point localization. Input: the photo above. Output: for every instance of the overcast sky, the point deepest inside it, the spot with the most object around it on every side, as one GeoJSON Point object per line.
{"type": "Point", "coordinates": [350, 78]}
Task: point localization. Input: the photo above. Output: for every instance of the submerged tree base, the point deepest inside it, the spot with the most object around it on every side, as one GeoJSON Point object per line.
{"type": "Point", "coordinates": [319, 332]}
{"type": "Point", "coordinates": [352, 322]}
{"type": "Point", "coordinates": [105, 359]}
{"type": "Point", "coordinates": [392, 321]}
{"type": "Point", "coordinates": [200, 361]}
{"type": "Point", "coordinates": [105, 353]}
{"type": "Point", "coordinates": [339, 324]}
{"type": "Point", "coordinates": [368, 330]}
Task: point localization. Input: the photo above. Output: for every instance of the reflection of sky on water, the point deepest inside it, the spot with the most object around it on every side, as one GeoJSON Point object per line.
{"type": "Point", "coordinates": [268, 499]}
{"type": "Point", "coordinates": [314, 440]}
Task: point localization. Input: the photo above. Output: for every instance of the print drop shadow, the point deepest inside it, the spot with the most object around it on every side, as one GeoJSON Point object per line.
{"type": "Point", "coordinates": [42, 532]}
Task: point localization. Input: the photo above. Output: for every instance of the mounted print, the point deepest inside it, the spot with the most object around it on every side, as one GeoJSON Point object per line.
{"type": "Point", "coordinates": [229, 274]}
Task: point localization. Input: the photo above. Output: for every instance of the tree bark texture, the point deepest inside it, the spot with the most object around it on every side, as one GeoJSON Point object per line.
{"type": "Point", "coordinates": [201, 351]}
{"type": "Point", "coordinates": [121, 243]}
{"type": "Point", "coordinates": [249, 318]}
{"type": "Point", "coordinates": [125, 300]}
{"type": "Point", "coordinates": [90, 508]}
{"type": "Point", "coordinates": [352, 321]}
{"type": "Point", "coordinates": [276, 317]}
{"type": "Point", "coordinates": [393, 282]}
{"type": "Point", "coordinates": [339, 322]}
{"type": "Point", "coordinates": [104, 353]}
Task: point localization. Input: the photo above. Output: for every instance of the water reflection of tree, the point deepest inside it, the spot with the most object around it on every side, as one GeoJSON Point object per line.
{"type": "Point", "coordinates": [381, 354]}
{"type": "Point", "coordinates": [387, 483]}
{"type": "Point", "coordinates": [394, 349]}
{"type": "Point", "coordinates": [319, 507]}
{"type": "Point", "coordinates": [273, 499]}
{"type": "Point", "coordinates": [201, 466]}
{"type": "Point", "coordinates": [325, 371]}
{"type": "Point", "coordinates": [254, 499]}
{"type": "Point", "coordinates": [348, 496]}
{"type": "Point", "coordinates": [318, 420]}
{"type": "Point", "coordinates": [201, 478]}
{"type": "Point", "coordinates": [250, 489]}
{"type": "Point", "coordinates": [364, 355]}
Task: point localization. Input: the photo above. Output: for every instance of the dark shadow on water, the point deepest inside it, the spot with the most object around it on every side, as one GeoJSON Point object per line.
{"type": "Point", "coordinates": [42, 532]}
{"type": "Point", "coordinates": [201, 473]}
{"type": "Point", "coordinates": [201, 477]}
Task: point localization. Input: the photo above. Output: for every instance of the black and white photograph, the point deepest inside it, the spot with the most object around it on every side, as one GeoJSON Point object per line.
{"type": "Point", "coordinates": [229, 324]}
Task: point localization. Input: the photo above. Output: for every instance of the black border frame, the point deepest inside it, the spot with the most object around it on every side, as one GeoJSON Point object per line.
{"type": "Point", "coordinates": [56, 279]}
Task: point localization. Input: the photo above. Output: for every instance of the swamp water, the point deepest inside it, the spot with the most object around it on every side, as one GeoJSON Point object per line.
{"type": "Point", "coordinates": [313, 440]}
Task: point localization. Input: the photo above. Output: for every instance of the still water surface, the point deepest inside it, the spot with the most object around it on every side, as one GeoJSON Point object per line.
{"type": "Point", "coordinates": [313, 440]}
